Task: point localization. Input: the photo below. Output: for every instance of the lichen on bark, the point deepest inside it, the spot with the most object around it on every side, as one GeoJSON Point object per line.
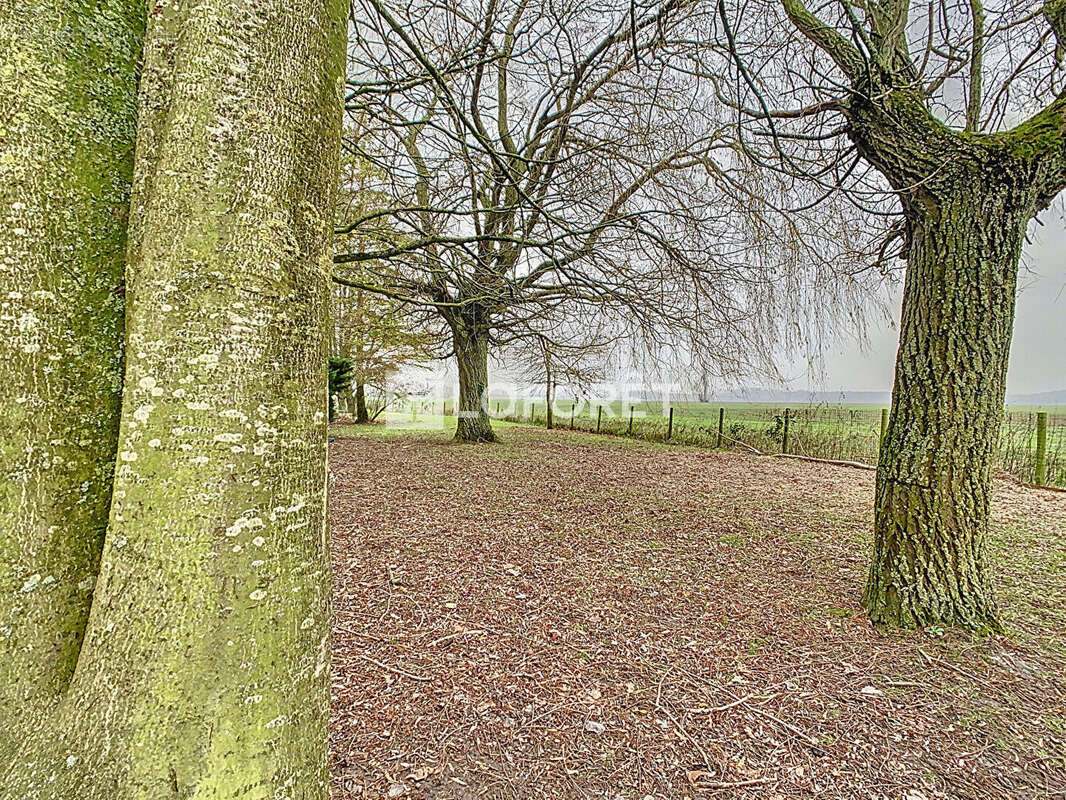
{"type": "Point", "coordinates": [204, 672]}
{"type": "Point", "coordinates": [967, 200]}
{"type": "Point", "coordinates": [68, 78]}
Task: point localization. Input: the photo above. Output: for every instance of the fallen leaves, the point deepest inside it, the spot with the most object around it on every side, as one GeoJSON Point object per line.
{"type": "Point", "coordinates": [559, 616]}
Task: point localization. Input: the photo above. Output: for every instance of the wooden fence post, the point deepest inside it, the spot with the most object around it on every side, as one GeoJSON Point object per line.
{"type": "Point", "coordinates": [884, 428]}
{"type": "Point", "coordinates": [599, 417]}
{"type": "Point", "coordinates": [631, 420]}
{"type": "Point", "coordinates": [784, 436]}
{"type": "Point", "coordinates": [573, 405]}
{"type": "Point", "coordinates": [1041, 449]}
{"type": "Point", "coordinates": [670, 425]}
{"type": "Point", "coordinates": [721, 426]}
{"type": "Point", "coordinates": [532, 410]}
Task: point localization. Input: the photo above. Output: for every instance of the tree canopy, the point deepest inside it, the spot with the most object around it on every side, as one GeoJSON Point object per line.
{"type": "Point", "coordinates": [538, 156]}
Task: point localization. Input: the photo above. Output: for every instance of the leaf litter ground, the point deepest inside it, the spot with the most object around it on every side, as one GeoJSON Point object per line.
{"type": "Point", "coordinates": [569, 616]}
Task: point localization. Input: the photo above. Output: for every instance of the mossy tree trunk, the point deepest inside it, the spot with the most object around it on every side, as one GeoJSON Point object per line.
{"type": "Point", "coordinates": [470, 339]}
{"type": "Point", "coordinates": [967, 200]}
{"type": "Point", "coordinates": [68, 79]}
{"type": "Point", "coordinates": [935, 474]}
{"type": "Point", "coordinates": [205, 667]}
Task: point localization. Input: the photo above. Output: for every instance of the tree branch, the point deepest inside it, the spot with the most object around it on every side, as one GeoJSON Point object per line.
{"type": "Point", "coordinates": [844, 54]}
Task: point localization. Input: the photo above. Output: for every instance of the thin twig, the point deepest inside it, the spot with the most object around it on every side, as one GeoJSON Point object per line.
{"type": "Point", "coordinates": [395, 670]}
{"type": "Point", "coordinates": [731, 784]}
{"type": "Point", "coordinates": [451, 636]}
{"type": "Point", "coordinates": [856, 464]}
{"type": "Point", "coordinates": [673, 719]}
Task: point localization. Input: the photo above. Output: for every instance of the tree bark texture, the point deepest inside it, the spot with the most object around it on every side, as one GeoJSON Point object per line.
{"type": "Point", "coordinates": [934, 478]}
{"type": "Point", "coordinates": [471, 344]}
{"type": "Point", "coordinates": [967, 201]}
{"type": "Point", "coordinates": [205, 668]}
{"type": "Point", "coordinates": [68, 80]}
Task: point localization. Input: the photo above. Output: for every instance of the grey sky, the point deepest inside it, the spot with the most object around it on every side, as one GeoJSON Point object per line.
{"type": "Point", "coordinates": [1038, 354]}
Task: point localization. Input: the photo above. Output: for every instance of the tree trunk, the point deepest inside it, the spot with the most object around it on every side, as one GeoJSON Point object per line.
{"type": "Point", "coordinates": [205, 668]}
{"type": "Point", "coordinates": [68, 83]}
{"type": "Point", "coordinates": [548, 396]}
{"type": "Point", "coordinates": [472, 353]}
{"type": "Point", "coordinates": [362, 416]}
{"type": "Point", "coordinates": [935, 471]}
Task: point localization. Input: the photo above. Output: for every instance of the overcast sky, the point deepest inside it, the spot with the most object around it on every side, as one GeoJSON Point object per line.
{"type": "Point", "coordinates": [1038, 354]}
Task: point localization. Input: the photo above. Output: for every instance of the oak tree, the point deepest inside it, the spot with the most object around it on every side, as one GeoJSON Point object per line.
{"type": "Point", "coordinates": [944, 125]}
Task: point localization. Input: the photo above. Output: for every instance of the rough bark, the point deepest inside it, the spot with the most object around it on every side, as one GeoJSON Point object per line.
{"type": "Point", "coordinates": [204, 671]}
{"type": "Point", "coordinates": [967, 200]}
{"type": "Point", "coordinates": [471, 343]}
{"type": "Point", "coordinates": [935, 472]}
{"type": "Point", "coordinates": [68, 78]}
{"type": "Point", "coordinates": [362, 416]}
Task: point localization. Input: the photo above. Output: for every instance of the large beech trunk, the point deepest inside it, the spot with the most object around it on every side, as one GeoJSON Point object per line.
{"type": "Point", "coordinates": [205, 668]}
{"type": "Point", "coordinates": [68, 78]}
{"type": "Point", "coordinates": [472, 354]}
{"type": "Point", "coordinates": [934, 477]}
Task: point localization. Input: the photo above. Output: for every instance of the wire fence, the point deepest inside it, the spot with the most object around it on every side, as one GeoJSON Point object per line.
{"type": "Point", "coordinates": [839, 433]}
{"type": "Point", "coordinates": [1018, 447]}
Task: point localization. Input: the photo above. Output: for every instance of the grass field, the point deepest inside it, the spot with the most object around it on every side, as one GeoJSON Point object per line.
{"type": "Point", "coordinates": [837, 432]}
{"type": "Point", "coordinates": [841, 432]}
{"type": "Point", "coordinates": [564, 615]}
{"type": "Point", "coordinates": [709, 411]}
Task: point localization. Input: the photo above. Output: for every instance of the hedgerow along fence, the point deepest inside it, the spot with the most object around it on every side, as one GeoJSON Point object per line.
{"type": "Point", "coordinates": [1032, 444]}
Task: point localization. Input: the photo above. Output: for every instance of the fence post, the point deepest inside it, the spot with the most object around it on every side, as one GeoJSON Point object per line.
{"type": "Point", "coordinates": [884, 428]}
{"type": "Point", "coordinates": [1041, 448]}
{"type": "Point", "coordinates": [721, 426]}
{"type": "Point", "coordinates": [784, 436]}
{"type": "Point", "coordinates": [497, 409]}
{"type": "Point", "coordinates": [670, 425]}
{"type": "Point", "coordinates": [532, 410]}
{"type": "Point", "coordinates": [573, 405]}
{"type": "Point", "coordinates": [599, 417]}
{"type": "Point", "coordinates": [631, 420]}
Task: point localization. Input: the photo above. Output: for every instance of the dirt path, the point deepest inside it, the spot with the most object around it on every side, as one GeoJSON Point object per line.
{"type": "Point", "coordinates": [564, 616]}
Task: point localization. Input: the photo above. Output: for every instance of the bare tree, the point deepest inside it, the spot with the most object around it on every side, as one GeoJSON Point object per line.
{"type": "Point", "coordinates": [547, 155]}
{"type": "Point", "coordinates": [572, 352]}
{"type": "Point", "coordinates": [944, 125]}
